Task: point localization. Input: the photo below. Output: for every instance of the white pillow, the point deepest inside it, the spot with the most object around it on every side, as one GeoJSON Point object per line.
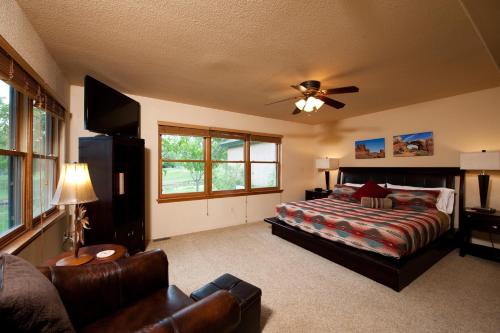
{"type": "Point", "coordinates": [359, 185]}
{"type": "Point", "coordinates": [445, 201]}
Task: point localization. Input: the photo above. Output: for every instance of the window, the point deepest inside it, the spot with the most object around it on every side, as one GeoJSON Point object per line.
{"type": "Point", "coordinates": [45, 144]}
{"type": "Point", "coordinates": [10, 162]}
{"type": "Point", "coordinates": [29, 148]}
{"type": "Point", "coordinates": [183, 164]}
{"type": "Point", "coordinates": [264, 164]}
{"type": "Point", "coordinates": [198, 163]}
{"type": "Point", "coordinates": [228, 163]}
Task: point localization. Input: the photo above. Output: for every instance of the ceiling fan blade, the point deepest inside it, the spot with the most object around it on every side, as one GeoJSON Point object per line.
{"type": "Point", "coordinates": [331, 102]}
{"type": "Point", "coordinates": [296, 111]}
{"type": "Point", "coordinates": [300, 88]}
{"type": "Point", "coordinates": [284, 100]}
{"type": "Point", "coordinates": [342, 90]}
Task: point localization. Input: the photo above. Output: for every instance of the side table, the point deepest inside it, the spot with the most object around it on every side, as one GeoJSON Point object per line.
{"type": "Point", "coordinates": [471, 220]}
{"type": "Point", "coordinates": [120, 252]}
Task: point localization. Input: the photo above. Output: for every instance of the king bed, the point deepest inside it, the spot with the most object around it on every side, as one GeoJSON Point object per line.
{"type": "Point", "coordinates": [392, 246]}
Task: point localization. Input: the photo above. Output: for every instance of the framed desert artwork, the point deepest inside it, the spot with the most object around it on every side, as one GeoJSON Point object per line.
{"type": "Point", "coordinates": [373, 148]}
{"type": "Point", "coordinates": [416, 144]}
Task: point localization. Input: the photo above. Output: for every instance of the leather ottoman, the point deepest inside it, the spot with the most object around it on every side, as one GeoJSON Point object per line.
{"type": "Point", "coordinates": [247, 295]}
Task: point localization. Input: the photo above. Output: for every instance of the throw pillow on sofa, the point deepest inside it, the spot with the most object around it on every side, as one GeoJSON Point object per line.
{"type": "Point", "coordinates": [29, 302]}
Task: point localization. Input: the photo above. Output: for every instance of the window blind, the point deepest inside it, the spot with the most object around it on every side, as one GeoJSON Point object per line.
{"type": "Point", "coordinates": [12, 73]}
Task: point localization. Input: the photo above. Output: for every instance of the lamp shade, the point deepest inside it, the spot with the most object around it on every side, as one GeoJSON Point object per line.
{"type": "Point", "coordinates": [75, 186]}
{"type": "Point", "coordinates": [486, 160]}
{"type": "Point", "coordinates": [327, 163]}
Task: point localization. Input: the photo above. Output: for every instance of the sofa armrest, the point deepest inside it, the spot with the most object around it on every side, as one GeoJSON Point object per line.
{"type": "Point", "coordinates": [91, 292]}
{"type": "Point", "coordinates": [218, 312]}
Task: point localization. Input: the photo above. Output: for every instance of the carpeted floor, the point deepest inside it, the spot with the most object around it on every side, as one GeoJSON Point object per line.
{"type": "Point", "coordinates": [302, 292]}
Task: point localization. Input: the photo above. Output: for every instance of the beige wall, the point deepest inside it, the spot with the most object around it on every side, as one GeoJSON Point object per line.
{"type": "Point", "coordinates": [20, 34]}
{"type": "Point", "coordinates": [45, 246]}
{"type": "Point", "coordinates": [463, 123]}
{"type": "Point", "coordinates": [169, 219]}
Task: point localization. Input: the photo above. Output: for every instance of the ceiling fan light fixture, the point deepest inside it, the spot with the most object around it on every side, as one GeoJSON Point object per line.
{"type": "Point", "coordinates": [310, 105]}
{"type": "Point", "coordinates": [314, 97]}
{"type": "Point", "coordinates": [300, 104]}
{"type": "Point", "coordinates": [318, 103]}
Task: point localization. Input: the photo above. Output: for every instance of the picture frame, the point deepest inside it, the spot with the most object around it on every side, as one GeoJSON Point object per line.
{"type": "Point", "coordinates": [371, 148]}
{"type": "Point", "coordinates": [413, 144]}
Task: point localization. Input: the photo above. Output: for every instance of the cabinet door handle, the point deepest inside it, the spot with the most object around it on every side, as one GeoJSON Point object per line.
{"type": "Point", "coordinates": [494, 226]}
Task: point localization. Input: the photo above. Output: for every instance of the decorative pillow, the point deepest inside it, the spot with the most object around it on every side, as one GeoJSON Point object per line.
{"type": "Point", "coordinates": [413, 199]}
{"type": "Point", "coordinates": [445, 201]}
{"type": "Point", "coordinates": [372, 190]}
{"type": "Point", "coordinates": [29, 302]}
{"type": "Point", "coordinates": [344, 193]}
{"type": "Point", "coordinates": [378, 203]}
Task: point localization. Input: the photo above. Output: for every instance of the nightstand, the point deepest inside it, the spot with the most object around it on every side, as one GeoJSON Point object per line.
{"type": "Point", "coordinates": [472, 220]}
{"type": "Point", "coordinates": [312, 194]}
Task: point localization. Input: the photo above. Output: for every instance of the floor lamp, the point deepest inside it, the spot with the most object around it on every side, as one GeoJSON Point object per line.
{"type": "Point", "coordinates": [327, 164]}
{"type": "Point", "coordinates": [75, 188]}
{"type": "Point", "coordinates": [483, 161]}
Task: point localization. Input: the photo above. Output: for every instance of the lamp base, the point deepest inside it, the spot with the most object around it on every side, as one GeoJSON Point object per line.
{"type": "Point", "coordinates": [484, 210]}
{"type": "Point", "coordinates": [74, 261]}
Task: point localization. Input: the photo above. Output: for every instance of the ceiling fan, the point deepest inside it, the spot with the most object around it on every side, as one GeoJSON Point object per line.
{"type": "Point", "coordinates": [313, 97]}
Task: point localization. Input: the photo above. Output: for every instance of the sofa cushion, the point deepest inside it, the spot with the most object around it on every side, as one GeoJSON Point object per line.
{"type": "Point", "coordinates": [147, 311]}
{"type": "Point", "coordinates": [28, 301]}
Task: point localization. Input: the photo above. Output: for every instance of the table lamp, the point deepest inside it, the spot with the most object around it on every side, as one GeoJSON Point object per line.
{"type": "Point", "coordinates": [484, 160]}
{"type": "Point", "coordinates": [75, 188]}
{"type": "Point", "coordinates": [327, 164]}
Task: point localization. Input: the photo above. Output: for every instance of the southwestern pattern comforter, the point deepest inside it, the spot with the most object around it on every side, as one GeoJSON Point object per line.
{"type": "Point", "coordinates": [394, 233]}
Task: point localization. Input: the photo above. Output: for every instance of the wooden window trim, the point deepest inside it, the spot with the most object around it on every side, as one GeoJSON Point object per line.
{"type": "Point", "coordinates": [29, 86]}
{"type": "Point", "coordinates": [166, 128]}
{"type": "Point", "coordinates": [29, 223]}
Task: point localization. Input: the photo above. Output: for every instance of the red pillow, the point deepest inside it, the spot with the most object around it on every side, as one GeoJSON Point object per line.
{"type": "Point", "coordinates": [372, 190]}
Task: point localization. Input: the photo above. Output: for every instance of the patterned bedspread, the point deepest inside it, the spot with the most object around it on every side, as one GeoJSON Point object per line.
{"type": "Point", "coordinates": [394, 233]}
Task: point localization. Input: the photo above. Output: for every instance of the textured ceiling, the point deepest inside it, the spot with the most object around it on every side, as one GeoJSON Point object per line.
{"type": "Point", "coordinates": [240, 55]}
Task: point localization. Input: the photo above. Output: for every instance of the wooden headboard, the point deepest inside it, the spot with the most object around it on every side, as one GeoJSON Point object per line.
{"type": "Point", "coordinates": [419, 177]}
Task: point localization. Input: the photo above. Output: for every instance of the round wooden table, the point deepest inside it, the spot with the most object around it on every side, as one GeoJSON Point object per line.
{"type": "Point", "coordinates": [92, 250]}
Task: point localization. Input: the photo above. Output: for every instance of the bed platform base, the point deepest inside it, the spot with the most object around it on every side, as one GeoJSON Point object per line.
{"type": "Point", "coordinates": [390, 272]}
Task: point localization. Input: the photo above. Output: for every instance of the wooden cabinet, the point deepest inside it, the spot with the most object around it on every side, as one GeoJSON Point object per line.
{"type": "Point", "coordinates": [116, 167]}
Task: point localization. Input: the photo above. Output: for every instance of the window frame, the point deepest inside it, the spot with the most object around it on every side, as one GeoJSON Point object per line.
{"type": "Point", "coordinates": [14, 151]}
{"type": "Point", "coordinates": [199, 194]}
{"type": "Point", "coordinates": [166, 128]}
{"type": "Point", "coordinates": [277, 163]}
{"type": "Point", "coordinates": [24, 129]}
{"type": "Point", "coordinates": [50, 146]}
{"type": "Point", "coordinates": [222, 134]}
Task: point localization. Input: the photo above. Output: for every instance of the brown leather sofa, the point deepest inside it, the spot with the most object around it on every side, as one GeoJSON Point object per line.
{"type": "Point", "coordinates": [133, 295]}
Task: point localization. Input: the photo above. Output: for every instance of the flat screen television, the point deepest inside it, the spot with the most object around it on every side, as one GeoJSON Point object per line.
{"type": "Point", "coordinates": [108, 111]}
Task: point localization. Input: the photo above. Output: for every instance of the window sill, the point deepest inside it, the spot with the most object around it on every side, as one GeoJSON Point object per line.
{"type": "Point", "coordinates": [22, 241]}
{"type": "Point", "coordinates": [216, 196]}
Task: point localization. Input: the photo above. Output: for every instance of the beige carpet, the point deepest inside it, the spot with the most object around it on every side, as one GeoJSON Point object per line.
{"type": "Point", "coordinates": [303, 292]}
